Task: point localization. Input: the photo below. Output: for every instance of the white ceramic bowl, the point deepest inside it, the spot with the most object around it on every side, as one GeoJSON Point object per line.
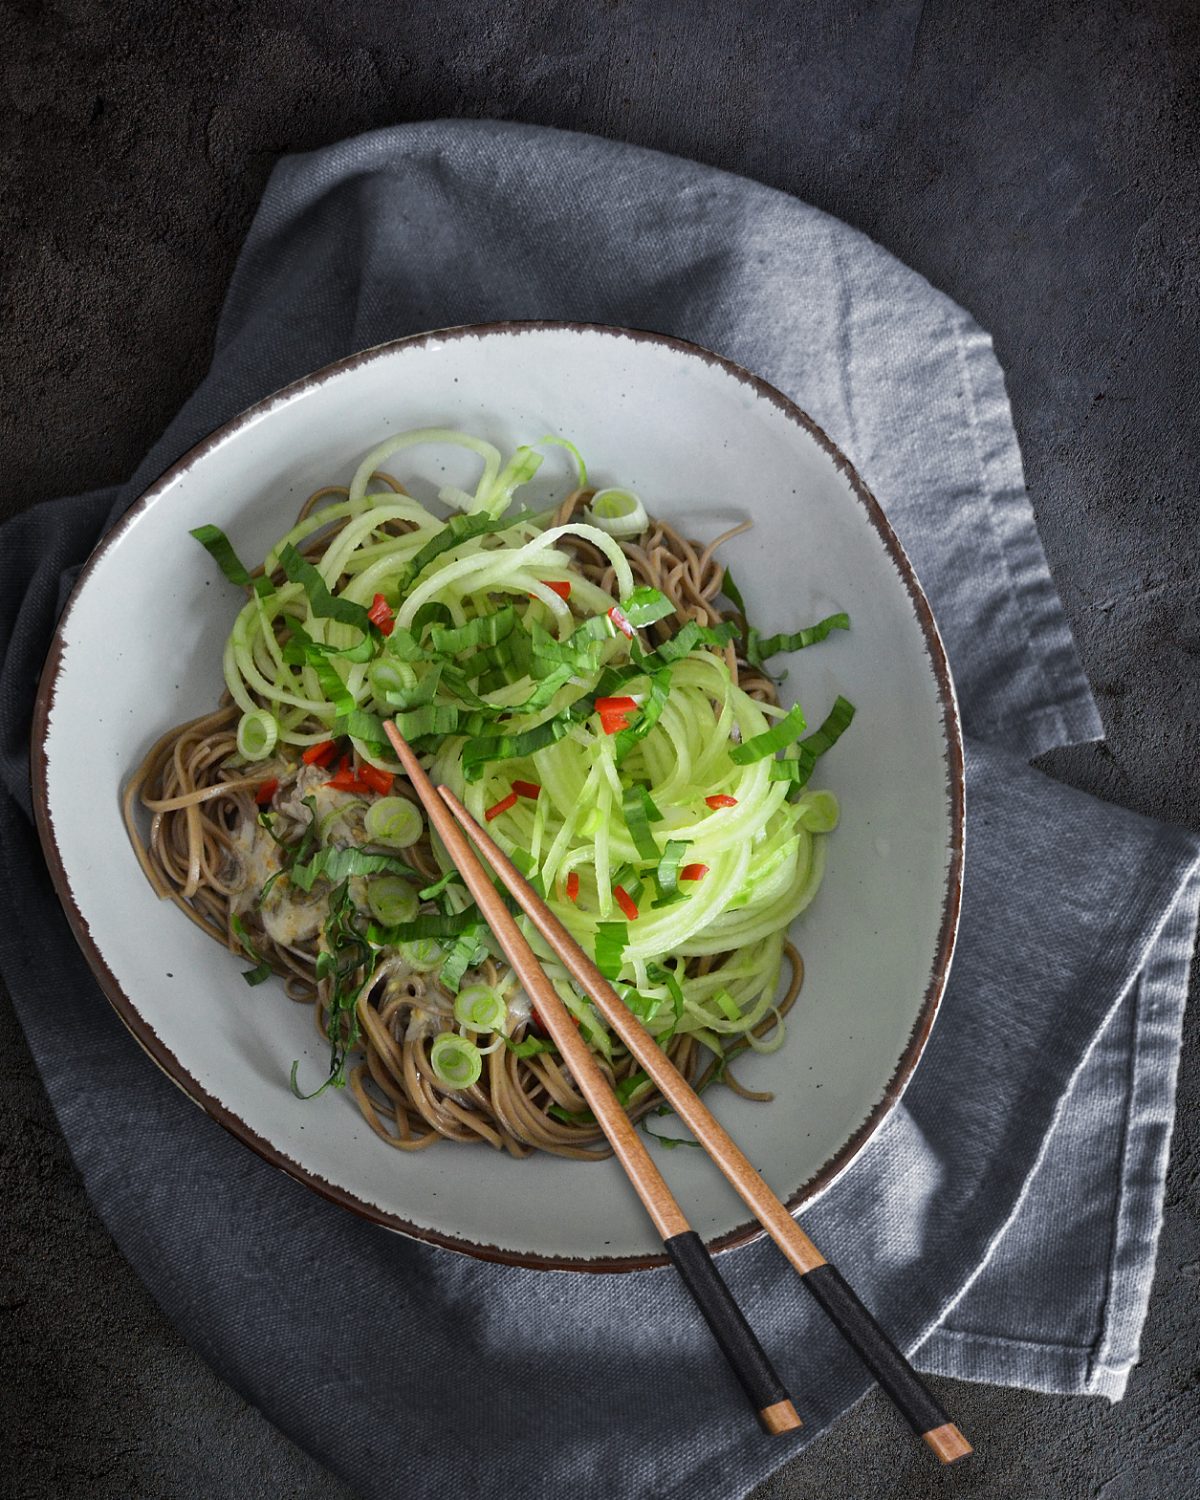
{"type": "Point", "coordinates": [705, 444]}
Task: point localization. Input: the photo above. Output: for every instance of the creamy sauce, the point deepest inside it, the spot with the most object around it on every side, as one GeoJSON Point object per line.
{"type": "Point", "coordinates": [520, 1008]}
{"type": "Point", "coordinates": [258, 860]}
{"type": "Point", "coordinates": [288, 916]}
{"type": "Point", "coordinates": [421, 1023]}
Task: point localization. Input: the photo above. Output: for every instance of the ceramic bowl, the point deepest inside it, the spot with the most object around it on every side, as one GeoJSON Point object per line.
{"type": "Point", "coordinates": [706, 444]}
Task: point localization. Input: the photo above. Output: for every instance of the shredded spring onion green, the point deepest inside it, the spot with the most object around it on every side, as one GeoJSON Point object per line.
{"type": "Point", "coordinates": [619, 512]}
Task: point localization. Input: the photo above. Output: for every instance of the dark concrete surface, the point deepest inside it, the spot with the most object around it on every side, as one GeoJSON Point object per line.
{"type": "Point", "coordinates": [1038, 161]}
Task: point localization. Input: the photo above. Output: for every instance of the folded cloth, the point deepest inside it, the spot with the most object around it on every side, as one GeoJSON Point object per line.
{"type": "Point", "coordinates": [1003, 1222]}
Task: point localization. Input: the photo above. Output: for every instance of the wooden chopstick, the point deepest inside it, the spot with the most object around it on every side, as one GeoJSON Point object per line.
{"type": "Point", "coordinates": [687, 1250]}
{"type": "Point", "coordinates": [837, 1298]}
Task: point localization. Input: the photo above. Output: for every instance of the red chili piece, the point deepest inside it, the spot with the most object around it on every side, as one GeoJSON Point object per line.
{"type": "Point", "coordinates": [573, 886]}
{"type": "Point", "coordinates": [380, 614]}
{"type": "Point", "coordinates": [347, 777]}
{"type": "Point", "coordinates": [319, 755]}
{"type": "Point", "coordinates": [617, 616]}
{"type": "Point", "coordinates": [721, 799]}
{"type": "Point", "coordinates": [626, 902]}
{"type": "Point", "coordinates": [693, 872]}
{"type": "Point", "coordinates": [502, 806]}
{"type": "Point", "coordinates": [614, 713]}
{"type": "Point", "coordinates": [528, 789]}
{"type": "Point", "coordinates": [375, 780]}
{"type": "Point", "coordinates": [266, 791]}
{"type": "Point", "coordinates": [345, 780]}
{"type": "Point", "coordinates": [561, 586]}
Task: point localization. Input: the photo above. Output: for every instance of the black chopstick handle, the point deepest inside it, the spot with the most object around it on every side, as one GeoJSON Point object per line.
{"type": "Point", "coordinates": [901, 1382]}
{"type": "Point", "coordinates": [737, 1339]}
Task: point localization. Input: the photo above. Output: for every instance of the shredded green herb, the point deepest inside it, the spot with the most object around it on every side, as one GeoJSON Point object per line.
{"type": "Point", "coordinates": [611, 941]}
{"type": "Point", "coordinates": [731, 591]}
{"type": "Point", "coordinates": [645, 605]}
{"type": "Point", "coordinates": [348, 961]}
{"type": "Point", "coordinates": [776, 738]}
{"type": "Point", "coordinates": [320, 601]}
{"type": "Point", "coordinates": [337, 864]}
{"type": "Point", "coordinates": [301, 650]}
{"type": "Point", "coordinates": [799, 767]}
{"type": "Point", "coordinates": [220, 549]}
{"type": "Point", "coordinates": [530, 1046]}
{"type": "Point", "coordinates": [640, 811]}
{"type": "Point", "coordinates": [759, 650]}
{"type": "Point", "coordinates": [431, 925]}
{"type": "Point", "coordinates": [666, 875]}
{"type": "Point", "coordinates": [263, 970]}
{"type": "Point", "coordinates": [466, 951]}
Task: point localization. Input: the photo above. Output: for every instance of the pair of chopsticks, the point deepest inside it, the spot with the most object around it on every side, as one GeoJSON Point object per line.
{"type": "Point", "coordinates": [684, 1246]}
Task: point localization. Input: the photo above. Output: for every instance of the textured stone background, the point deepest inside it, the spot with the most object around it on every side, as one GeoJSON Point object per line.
{"type": "Point", "coordinates": [1038, 161]}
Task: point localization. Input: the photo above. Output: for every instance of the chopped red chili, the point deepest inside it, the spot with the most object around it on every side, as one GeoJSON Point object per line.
{"type": "Point", "coordinates": [345, 779]}
{"type": "Point", "coordinates": [693, 872]}
{"type": "Point", "coordinates": [721, 799]}
{"type": "Point", "coordinates": [614, 713]}
{"type": "Point", "coordinates": [573, 886]}
{"type": "Point", "coordinates": [626, 902]}
{"type": "Point", "coordinates": [561, 586]}
{"type": "Point", "coordinates": [380, 614]}
{"type": "Point", "coordinates": [617, 616]}
{"type": "Point", "coordinates": [375, 779]}
{"type": "Point", "coordinates": [266, 791]}
{"type": "Point", "coordinates": [319, 755]}
{"type": "Point", "coordinates": [502, 806]}
{"type": "Point", "coordinates": [528, 789]}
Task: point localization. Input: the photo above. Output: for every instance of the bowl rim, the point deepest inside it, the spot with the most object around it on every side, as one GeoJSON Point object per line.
{"type": "Point", "coordinates": [145, 1035]}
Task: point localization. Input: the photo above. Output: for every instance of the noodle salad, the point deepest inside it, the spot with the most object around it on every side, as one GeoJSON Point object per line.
{"type": "Point", "coordinates": [571, 675]}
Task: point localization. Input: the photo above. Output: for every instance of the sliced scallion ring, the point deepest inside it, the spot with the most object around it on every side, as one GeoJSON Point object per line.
{"type": "Point", "coordinates": [421, 954]}
{"type": "Point", "coordinates": [389, 675]}
{"type": "Point", "coordinates": [619, 512]}
{"type": "Point", "coordinates": [481, 1008]}
{"type": "Point", "coordinates": [257, 734]}
{"type": "Point", "coordinates": [392, 899]}
{"type": "Point", "coordinates": [394, 821]}
{"type": "Point", "coordinates": [456, 1061]}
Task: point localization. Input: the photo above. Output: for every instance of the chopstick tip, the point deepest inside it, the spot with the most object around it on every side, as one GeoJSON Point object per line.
{"type": "Point", "coordinates": [452, 802]}
{"type": "Point", "coordinates": [780, 1418]}
{"type": "Point", "coordinates": [948, 1443]}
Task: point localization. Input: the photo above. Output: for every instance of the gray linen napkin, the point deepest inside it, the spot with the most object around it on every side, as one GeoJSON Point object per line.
{"type": "Point", "coordinates": [1004, 1221]}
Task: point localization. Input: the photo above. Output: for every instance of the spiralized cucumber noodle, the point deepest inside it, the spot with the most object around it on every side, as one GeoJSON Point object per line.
{"type": "Point", "coordinates": [573, 675]}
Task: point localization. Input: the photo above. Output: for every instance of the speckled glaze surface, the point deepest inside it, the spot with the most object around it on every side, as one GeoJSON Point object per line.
{"type": "Point", "coordinates": [706, 444]}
